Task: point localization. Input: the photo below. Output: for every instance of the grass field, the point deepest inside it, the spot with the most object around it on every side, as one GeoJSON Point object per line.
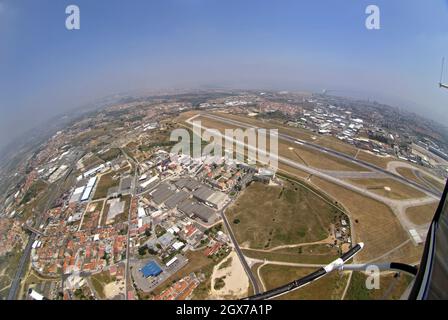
{"type": "Point", "coordinates": [425, 179]}
{"type": "Point", "coordinates": [422, 214]}
{"type": "Point", "coordinates": [433, 182]}
{"type": "Point", "coordinates": [398, 190]}
{"type": "Point", "coordinates": [110, 154]}
{"type": "Point", "coordinates": [106, 181]}
{"type": "Point", "coordinates": [268, 216]}
{"type": "Point", "coordinates": [314, 254]}
{"type": "Point", "coordinates": [8, 268]}
{"type": "Point", "coordinates": [373, 159]}
{"type": "Point", "coordinates": [328, 287]}
{"type": "Point", "coordinates": [99, 281]}
{"type": "Point", "coordinates": [407, 253]}
{"type": "Point", "coordinates": [408, 174]}
{"type": "Point", "coordinates": [373, 222]}
{"type": "Point", "coordinates": [391, 287]}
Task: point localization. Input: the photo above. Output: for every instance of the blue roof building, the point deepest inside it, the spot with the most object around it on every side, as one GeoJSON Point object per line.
{"type": "Point", "coordinates": [151, 269]}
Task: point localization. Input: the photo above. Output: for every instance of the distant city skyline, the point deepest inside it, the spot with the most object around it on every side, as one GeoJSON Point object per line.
{"type": "Point", "coordinates": [148, 45]}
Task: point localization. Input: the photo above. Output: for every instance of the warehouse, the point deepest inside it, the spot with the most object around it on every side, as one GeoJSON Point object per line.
{"type": "Point", "coordinates": [151, 269]}
{"type": "Point", "coordinates": [215, 199]}
{"type": "Point", "coordinates": [162, 193]}
{"type": "Point", "coordinates": [188, 183]}
{"type": "Point", "coordinates": [192, 208]}
{"type": "Point", "coordinates": [176, 198]}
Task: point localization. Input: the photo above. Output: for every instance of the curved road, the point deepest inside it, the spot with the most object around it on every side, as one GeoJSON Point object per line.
{"type": "Point", "coordinates": [240, 254]}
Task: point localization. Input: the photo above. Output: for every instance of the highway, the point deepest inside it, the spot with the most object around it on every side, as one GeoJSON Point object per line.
{"type": "Point", "coordinates": [15, 283]}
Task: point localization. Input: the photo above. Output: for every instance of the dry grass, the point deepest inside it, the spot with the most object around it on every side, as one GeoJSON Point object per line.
{"type": "Point", "coordinates": [399, 191]}
{"type": "Point", "coordinates": [373, 159]}
{"type": "Point", "coordinates": [337, 145]}
{"type": "Point", "coordinates": [376, 224]}
{"type": "Point", "coordinates": [329, 287]}
{"type": "Point", "coordinates": [422, 214]}
{"type": "Point", "coordinates": [268, 216]}
{"type": "Point", "coordinates": [425, 179]}
{"type": "Point", "coordinates": [391, 288]}
{"type": "Point", "coordinates": [104, 184]}
{"type": "Point", "coordinates": [315, 254]}
{"type": "Point", "coordinates": [433, 182]}
{"type": "Point", "coordinates": [408, 253]}
{"type": "Point", "coordinates": [408, 174]}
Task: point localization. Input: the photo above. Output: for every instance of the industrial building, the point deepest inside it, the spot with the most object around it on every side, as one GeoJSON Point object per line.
{"type": "Point", "coordinates": [188, 183]}
{"type": "Point", "coordinates": [194, 209]}
{"type": "Point", "coordinates": [88, 190]}
{"type": "Point", "coordinates": [151, 269]}
{"type": "Point", "coordinates": [162, 193]}
{"type": "Point", "coordinates": [215, 199]}
{"type": "Point", "coordinates": [173, 201]}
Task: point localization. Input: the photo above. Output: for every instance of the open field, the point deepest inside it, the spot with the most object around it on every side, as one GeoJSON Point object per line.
{"type": "Point", "coordinates": [99, 281]}
{"type": "Point", "coordinates": [433, 182]}
{"type": "Point", "coordinates": [229, 279]}
{"type": "Point", "coordinates": [8, 268]}
{"type": "Point", "coordinates": [425, 179]}
{"type": "Point", "coordinates": [336, 144]}
{"type": "Point", "coordinates": [422, 214]}
{"type": "Point", "coordinates": [406, 253]}
{"type": "Point", "coordinates": [329, 287]}
{"type": "Point", "coordinates": [373, 222]}
{"type": "Point", "coordinates": [398, 190]}
{"type": "Point", "coordinates": [374, 159]}
{"type": "Point", "coordinates": [294, 151]}
{"type": "Point", "coordinates": [391, 287]}
{"type": "Point", "coordinates": [408, 174]}
{"type": "Point", "coordinates": [293, 171]}
{"type": "Point", "coordinates": [268, 216]}
{"type": "Point", "coordinates": [106, 181]}
{"type": "Point", "coordinates": [314, 254]}
{"type": "Point", "coordinates": [110, 154]}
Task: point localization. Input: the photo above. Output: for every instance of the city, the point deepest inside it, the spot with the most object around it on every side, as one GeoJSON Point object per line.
{"type": "Point", "coordinates": [129, 222]}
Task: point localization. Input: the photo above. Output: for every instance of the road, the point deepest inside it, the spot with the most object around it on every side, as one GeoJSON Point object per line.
{"type": "Point", "coordinates": [240, 254]}
{"type": "Point", "coordinates": [15, 283]}
{"type": "Point", "coordinates": [133, 193]}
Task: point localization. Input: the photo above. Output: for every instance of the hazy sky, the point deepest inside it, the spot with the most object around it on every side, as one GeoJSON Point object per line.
{"type": "Point", "coordinates": [297, 45]}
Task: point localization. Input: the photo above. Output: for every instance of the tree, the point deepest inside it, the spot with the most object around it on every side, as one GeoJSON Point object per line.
{"type": "Point", "coordinates": [142, 250]}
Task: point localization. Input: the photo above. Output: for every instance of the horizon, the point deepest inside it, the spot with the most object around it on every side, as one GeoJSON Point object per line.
{"type": "Point", "coordinates": [46, 70]}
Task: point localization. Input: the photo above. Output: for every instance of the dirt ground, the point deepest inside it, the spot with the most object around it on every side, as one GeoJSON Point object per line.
{"type": "Point", "coordinates": [113, 289]}
{"type": "Point", "coordinates": [422, 214]}
{"type": "Point", "coordinates": [236, 281]}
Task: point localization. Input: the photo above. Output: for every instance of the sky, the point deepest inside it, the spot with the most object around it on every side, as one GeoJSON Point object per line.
{"type": "Point", "coordinates": [294, 45]}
